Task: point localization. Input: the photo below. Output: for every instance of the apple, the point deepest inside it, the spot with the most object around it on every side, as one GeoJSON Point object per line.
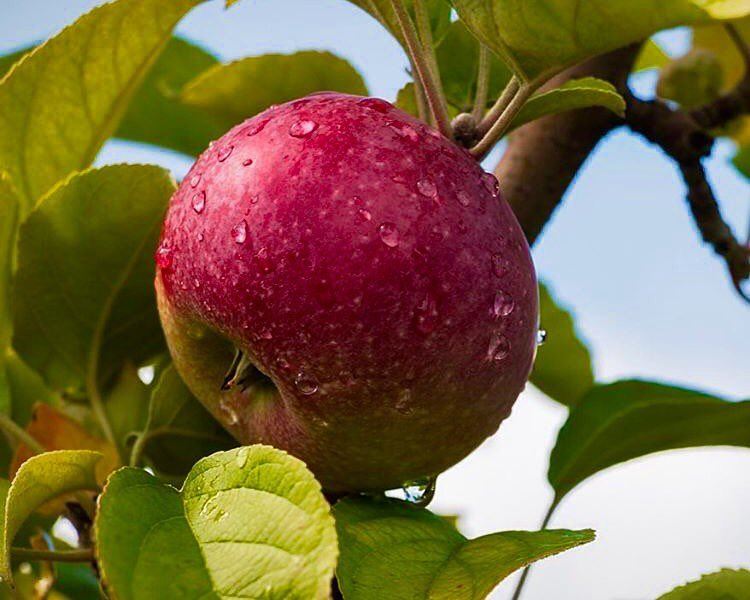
{"type": "Point", "coordinates": [338, 280]}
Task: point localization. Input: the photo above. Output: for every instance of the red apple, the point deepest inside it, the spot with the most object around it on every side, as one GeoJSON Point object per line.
{"type": "Point", "coordinates": [375, 289]}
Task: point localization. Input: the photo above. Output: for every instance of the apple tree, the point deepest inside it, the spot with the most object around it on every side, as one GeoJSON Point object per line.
{"type": "Point", "coordinates": [215, 386]}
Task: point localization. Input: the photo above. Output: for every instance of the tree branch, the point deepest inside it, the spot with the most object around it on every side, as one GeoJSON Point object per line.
{"type": "Point", "coordinates": [543, 157]}
{"type": "Point", "coordinates": [684, 140]}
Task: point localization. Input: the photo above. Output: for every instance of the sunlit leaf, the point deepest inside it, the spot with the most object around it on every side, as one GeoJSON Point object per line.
{"type": "Point", "coordinates": [726, 584]}
{"type": "Point", "coordinates": [238, 90]}
{"type": "Point", "coordinates": [571, 95]}
{"type": "Point", "coordinates": [8, 224]}
{"type": "Point", "coordinates": [562, 369]}
{"type": "Point", "coordinates": [392, 550]}
{"type": "Point", "coordinates": [629, 419]}
{"type": "Point", "coordinates": [61, 102]}
{"type": "Point", "coordinates": [84, 282]}
{"type": "Point", "coordinates": [213, 540]}
{"type": "Point", "coordinates": [652, 56]}
{"type": "Point", "coordinates": [537, 38]}
{"type": "Point", "coordinates": [39, 480]}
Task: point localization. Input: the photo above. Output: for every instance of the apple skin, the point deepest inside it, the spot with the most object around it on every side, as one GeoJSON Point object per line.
{"type": "Point", "coordinates": [367, 266]}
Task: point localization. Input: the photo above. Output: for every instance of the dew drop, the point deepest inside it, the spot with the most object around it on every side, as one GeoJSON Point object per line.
{"type": "Point", "coordinates": [195, 180]}
{"type": "Point", "coordinates": [201, 237]}
{"type": "Point", "coordinates": [541, 337]}
{"type": "Point", "coordinates": [364, 214]}
{"type": "Point", "coordinates": [199, 202]}
{"type": "Point", "coordinates": [256, 127]}
{"type": "Point", "coordinates": [500, 265]}
{"type": "Point", "coordinates": [389, 234]}
{"type": "Point", "coordinates": [492, 184]}
{"type": "Point", "coordinates": [503, 305]}
{"type": "Point", "coordinates": [239, 232]}
{"type": "Point", "coordinates": [225, 153]}
{"type": "Point", "coordinates": [247, 162]}
{"type": "Point", "coordinates": [420, 492]}
{"type": "Point", "coordinates": [254, 199]}
{"type": "Point", "coordinates": [426, 314]}
{"type": "Point", "coordinates": [301, 129]}
{"type": "Point", "coordinates": [463, 198]}
{"type": "Point", "coordinates": [376, 104]}
{"type": "Point", "coordinates": [164, 257]}
{"type": "Point", "coordinates": [499, 347]}
{"type": "Point", "coordinates": [241, 458]}
{"type": "Point", "coordinates": [427, 188]}
{"type": "Point", "coordinates": [306, 384]}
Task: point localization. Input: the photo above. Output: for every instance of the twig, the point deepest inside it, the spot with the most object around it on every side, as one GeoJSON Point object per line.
{"type": "Point", "coordinates": [525, 575]}
{"type": "Point", "coordinates": [686, 143]}
{"type": "Point", "coordinates": [500, 126]}
{"type": "Point", "coordinates": [500, 105]}
{"type": "Point", "coordinates": [483, 83]}
{"type": "Point", "coordinates": [424, 74]}
{"type": "Point", "coordinates": [69, 556]}
{"type": "Point", "coordinates": [20, 434]}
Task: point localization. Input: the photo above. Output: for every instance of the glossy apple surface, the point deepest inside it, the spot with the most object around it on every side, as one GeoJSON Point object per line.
{"type": "Point", "coordinates": [379, 289]}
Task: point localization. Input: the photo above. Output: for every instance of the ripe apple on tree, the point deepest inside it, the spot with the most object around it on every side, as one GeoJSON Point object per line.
{"type": "Point", "coordinates": [337, 279]}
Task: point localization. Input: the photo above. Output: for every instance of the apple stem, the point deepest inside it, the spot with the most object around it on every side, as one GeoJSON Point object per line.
{"type": "Point", "coordinates": [510, 91]}
{"type": "Point", "coordinates": [500, 127]}
{"type": "Point", "coordinates": [483, 83]}
{"type": "Point", "coordinates": [426, 77]}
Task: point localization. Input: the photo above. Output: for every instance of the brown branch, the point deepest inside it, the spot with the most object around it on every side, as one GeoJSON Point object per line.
{"type": "Point", "coordinates": [543, 157]}
{"type": "Point", "coordinates": [681, 138]}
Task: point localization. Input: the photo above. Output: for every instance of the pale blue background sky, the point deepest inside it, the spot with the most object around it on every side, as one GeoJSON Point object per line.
{"type": "Point", "coordinates": [651, 300]}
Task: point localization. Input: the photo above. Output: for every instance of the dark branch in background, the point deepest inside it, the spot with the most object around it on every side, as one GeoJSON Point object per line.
{"type": "Point", "coordinates": [681, 137]}
{"type": "Point", "coordinates": [543, 157]}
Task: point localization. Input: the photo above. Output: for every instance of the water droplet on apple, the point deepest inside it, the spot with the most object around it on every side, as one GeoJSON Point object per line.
{"type": "Point", "coordinates": [365, 215]}
{"type": "Point", "coordinates": [492, 184]}
{"type": "Point", "coordinates": [389, 234]}
{"type": "Point", "coordinates": [306, 384]}
{"type": "Point", "coordinates": [256, 127]}
{"type": "Point", "coordinates": [503, 305]}
{"type": "Point", "coordinates": [463, 198]}
{"type": "Point", "coordinates": [405, 130]}
{"type": "Point", "coordinates": [499, 347]}
{"type": "Point", "coordinates": [265, 264]}
{"type": "Point", "coordinates": [427, 188]}
{"type": "Point", "coordinates": [254, 199]}
{"type": "Point", "coordinates": [541, 337]}
{"type": "Point", "coordinates": [239, 232]}
{"type": "Point", "coordinates": [247, 162]}
{"type": "Point", "coordinates": [164, 257]}
{"type": "Point", "coordinates": [225, 405]}
{"type": "Point", "coordinates": [426, 314]}
{"type": "Point", "coordinates": [195, 180]}
{"type": "Point", "coordinates": [376, 104]}
{"type": "Point", "coordinates": [302, 129]}
{"type": "Point", "coordinates": [500, 265]}
{"type": "Point", "coordinates": [201, 237]}
{"type": "Point", "coordinates": [225, 153]}
{"type": "Point", "coordinates": [420, 492]}
{"type": "Point", "coordinates": [403, 402]}
{"type": "Point", "coordinates": [199, 202]}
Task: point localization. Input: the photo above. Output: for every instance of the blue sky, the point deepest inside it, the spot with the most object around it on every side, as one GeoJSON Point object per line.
{"type": "Point", "coordinates": [623, 253]}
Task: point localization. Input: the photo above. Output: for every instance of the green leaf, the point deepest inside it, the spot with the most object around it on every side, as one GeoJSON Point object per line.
{"type": "Point", "coordinates": [692, 80]}
{"type": "Point", "coordinates": [571, 95]}
{"type": "Point", "coordinates": [178, 127]}
{"type": "Point", "coordinates": [61, 102]}
{"type": "Point", "coordinates": [214, 540]}
{"type": "Point", "coordinates": [8, 225]}
{"type": "Point", "coordinates": [84, 285]}
{"type": "Point", "coordinates": [179, 431]}
{"type": "Point", "coordinates": [238, 90]}
{"type": "Point", "coordinates": [7, 61]}
{"type": "Point", "coordinates": [157, 116]}
{"type": "Point", "coordinates": [726, 584]}
{"type": "Point", "coordinates": [741, 160]}
{"type": "Point", "coordinates": [562, 369]}
{"type": "Point", "coordinates": [652, 56]}
{"type": "Point", "coordinates": [628, 419]}
{"type": "Point", "coordinates": [39, 480]}
{"type": "Point", "coordinates": [126, 405]}
{"type": "Point", "coordinates": [538, 38]}
{"type": "Point", "coordinates": [392, 550]}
